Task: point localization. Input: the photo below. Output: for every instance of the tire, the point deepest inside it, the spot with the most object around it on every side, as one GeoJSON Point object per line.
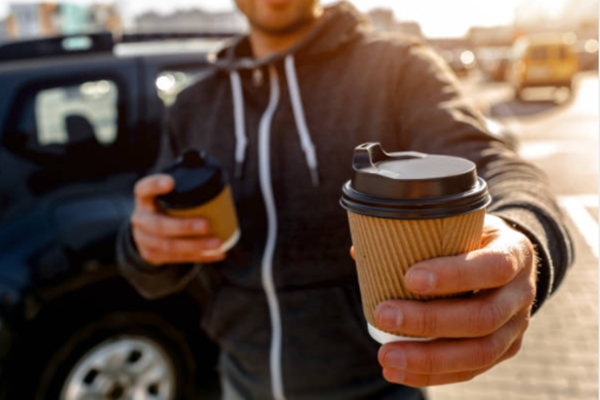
{"type": "Point", "coordinates": [519, 94]}
{"type": "Point", "coordinates": [571, 88]}
{"type": "Point", "coordinates": [63, 358]}
{"type": "Point", "coordinates": [563, 94]}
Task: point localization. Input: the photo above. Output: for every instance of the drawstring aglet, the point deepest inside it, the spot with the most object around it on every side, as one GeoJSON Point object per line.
{"type": "Point", "coordinates": [239, 170]}
{"type": "Point", "coordinates": [314, 177]}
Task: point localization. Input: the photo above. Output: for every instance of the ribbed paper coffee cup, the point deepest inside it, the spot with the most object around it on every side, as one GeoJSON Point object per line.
{"type": "Point", "coordinates": [386, 248]}
{"type": "Point", "coordinates": [404, 208]}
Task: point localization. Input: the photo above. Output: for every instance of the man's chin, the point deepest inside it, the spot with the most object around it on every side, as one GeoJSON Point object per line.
{"type": "Point", "coordinates": [280, 27]}
{"type": "Point", "coordinates": [277, 3]}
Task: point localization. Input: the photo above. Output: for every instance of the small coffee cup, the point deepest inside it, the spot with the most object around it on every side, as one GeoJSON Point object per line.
{"type": "Point", "coordinates": [202, 190]}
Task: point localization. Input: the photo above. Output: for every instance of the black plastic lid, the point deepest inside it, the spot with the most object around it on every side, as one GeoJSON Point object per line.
{"type": "Point", "coordinates": [411, 185]}
{"type": "Point", "coordinates": [198, 179]}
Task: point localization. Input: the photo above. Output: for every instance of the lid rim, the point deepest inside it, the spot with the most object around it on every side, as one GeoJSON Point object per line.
{"type": "Point", "coordinates": [198, 180]}
{"type": "Point", "coordinates": [418, 214]}
{"type": "Point", "coordinates": [411, 208]}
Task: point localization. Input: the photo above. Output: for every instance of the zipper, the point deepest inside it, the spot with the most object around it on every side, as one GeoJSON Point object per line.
{"type": "Point", "coordinates": [264, 156]}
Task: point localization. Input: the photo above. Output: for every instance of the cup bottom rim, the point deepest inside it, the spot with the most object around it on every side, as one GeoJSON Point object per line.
{"type": "Point", "coordinates": [384, 337]}
{"type": "Point", "coordinates": [227, 245]}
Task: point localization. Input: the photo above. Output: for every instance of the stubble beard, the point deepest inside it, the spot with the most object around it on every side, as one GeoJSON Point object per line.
{"type": "Point", "coordinates": [304, 20]}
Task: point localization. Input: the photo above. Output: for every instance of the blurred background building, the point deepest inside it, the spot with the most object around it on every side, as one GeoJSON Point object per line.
{"type": "Point", "coordinates": [480, 48]}
{"type": "Point", "coordinates": [383, 19]}
{"type": "Point", "coordinates": [38, 19]}
{"type": "Point", "coordinates": [191, 20]}
{"type": "Point", "coordinates": [21, 19]}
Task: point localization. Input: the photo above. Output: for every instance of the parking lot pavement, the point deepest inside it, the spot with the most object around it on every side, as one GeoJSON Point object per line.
{"type": "Point", "coordinates": [559, 357]}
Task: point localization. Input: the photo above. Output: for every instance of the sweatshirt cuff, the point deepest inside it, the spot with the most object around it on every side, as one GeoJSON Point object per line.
{"type": "Point", "coordinates": [150, 281]}
{"type": "Point", "coordinates": [526, 222]}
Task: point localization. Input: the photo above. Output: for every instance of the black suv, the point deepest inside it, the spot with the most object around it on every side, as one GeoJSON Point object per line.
{"type": "Point", "coordinates": [80, 119]}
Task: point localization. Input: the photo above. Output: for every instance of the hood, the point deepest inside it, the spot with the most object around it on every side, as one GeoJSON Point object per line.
{"type": "Point", "coordinates": [340, 24]}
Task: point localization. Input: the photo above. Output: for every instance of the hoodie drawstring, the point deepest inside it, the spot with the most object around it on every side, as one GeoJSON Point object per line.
{"type": "Point", "coordinates": [264, 169]}
{"type": "Point", "coordinates": [303, 133]}
{"type": "Point", "coordinates": [241, 141]}
{"type": "Point", "coordinates": [240, 129]}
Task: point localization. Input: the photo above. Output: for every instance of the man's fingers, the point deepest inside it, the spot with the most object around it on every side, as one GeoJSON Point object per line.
{"type": "Point", "coordinates": [146, 189]}
{"type": "Point", "coordinates": [455, 318]}
{"type": "Point", "coordinates": [423, 380]}
{"type": "Point", "coordinates": [481, 269]}
{"type": "Point", "coordinates": [454, 356]}
{"type": "Point", "coordinates": [175, 249]}
{"type": "Point", "coordinates": [162, 225]}
{"type": "Point", "coordinates": [158, 258]}
{"type": "Point", "coordinates": [490, 267]}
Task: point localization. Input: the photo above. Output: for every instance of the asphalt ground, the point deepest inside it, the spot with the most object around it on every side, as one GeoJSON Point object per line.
{"type": "Point", "coordinates": [559, 357]}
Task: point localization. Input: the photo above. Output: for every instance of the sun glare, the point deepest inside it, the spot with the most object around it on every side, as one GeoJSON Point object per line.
{"type": "Point", "coordinates": [440, 18]}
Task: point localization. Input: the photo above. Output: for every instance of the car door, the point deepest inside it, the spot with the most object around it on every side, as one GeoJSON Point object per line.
{"type": "Point", "coordinates": [66, 119]}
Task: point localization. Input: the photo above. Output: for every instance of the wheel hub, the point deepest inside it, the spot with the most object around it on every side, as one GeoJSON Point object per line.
{"type": "Point", "coordinates": [122, 368]}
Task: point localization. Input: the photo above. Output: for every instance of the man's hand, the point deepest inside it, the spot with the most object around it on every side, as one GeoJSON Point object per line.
{"type": "Point", "coordinates": [162, 239]}
{"type": "Point", "coordinates": [476, 332]}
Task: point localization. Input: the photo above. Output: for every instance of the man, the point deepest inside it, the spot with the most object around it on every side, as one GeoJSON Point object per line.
{"type": "Point", "coordinates": [282, 111]}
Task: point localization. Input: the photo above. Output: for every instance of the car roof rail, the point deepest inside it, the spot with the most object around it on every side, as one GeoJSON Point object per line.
{"type": "Point", "coordinates": [57, 46]}
{"type": "Point", "coordinates": [136, 37]}
{"type": "Point", "coordinates": [102, 42]}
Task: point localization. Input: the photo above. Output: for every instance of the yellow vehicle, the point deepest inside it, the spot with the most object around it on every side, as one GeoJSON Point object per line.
{"type": "Point", "coordinates": [542, 60]}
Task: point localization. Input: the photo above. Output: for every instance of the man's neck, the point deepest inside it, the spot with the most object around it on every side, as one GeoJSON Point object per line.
{"type": "Point", "coordinates": [264, 44]}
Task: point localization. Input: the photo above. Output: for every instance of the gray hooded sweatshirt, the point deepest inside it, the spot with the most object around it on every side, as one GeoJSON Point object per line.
{"type": "Point", "coordinates": [286, 312]}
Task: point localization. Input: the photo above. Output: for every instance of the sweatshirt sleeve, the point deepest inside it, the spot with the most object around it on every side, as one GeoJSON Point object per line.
{"type": "Point", "coordinates": [435, 117]}
{"type": "Point", "coordinates": [149, 280]}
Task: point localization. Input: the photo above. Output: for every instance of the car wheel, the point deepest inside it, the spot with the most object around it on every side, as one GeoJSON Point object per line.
{"type": "Point", "coordinates": [122, 355]}
{"type": "Point", "coordinates": [122, 366]}
{"type": "Point", "coordinates": [563, 94]}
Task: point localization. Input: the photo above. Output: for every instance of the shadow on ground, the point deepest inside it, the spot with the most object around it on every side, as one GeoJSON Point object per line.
{"type": "Point", "coordinates": [521, 108]}
{"type": "Point", "coordinates": [535, 101]}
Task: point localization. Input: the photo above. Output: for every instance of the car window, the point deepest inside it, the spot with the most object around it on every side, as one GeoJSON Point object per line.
{"type": "Point", "coordinates": [563, 53]}
{"type": "Point", "coordinates": [56, 135]}
{"type": "Point", "coordinates": [172, 81]}
{"type": "Point", "coordinates": [92, 103]}
{"type": "Point", "coordinates": [538, 53]}
{"type": "Point", "coordinates": [63, 116]}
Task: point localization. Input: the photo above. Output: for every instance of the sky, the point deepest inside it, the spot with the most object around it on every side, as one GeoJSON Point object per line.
{"type": "Point", "coordinates": [438, 18]}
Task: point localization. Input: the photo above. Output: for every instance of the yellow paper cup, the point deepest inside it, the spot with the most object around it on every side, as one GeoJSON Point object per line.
{"type": "Point", "coordinates": [201, 190]}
